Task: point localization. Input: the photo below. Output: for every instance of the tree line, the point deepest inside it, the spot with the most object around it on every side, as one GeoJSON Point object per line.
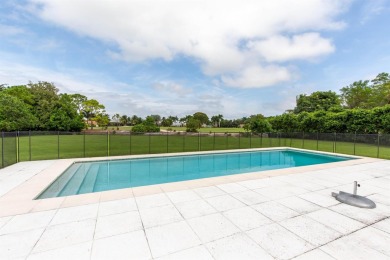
{"type": "Point", "coordinates": [361, 107]}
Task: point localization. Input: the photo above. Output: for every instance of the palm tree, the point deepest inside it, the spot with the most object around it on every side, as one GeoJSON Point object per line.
{"type": "Point", "coordinates": [220, 117]}
{"type": "Point", "coordinates": [116, 118]}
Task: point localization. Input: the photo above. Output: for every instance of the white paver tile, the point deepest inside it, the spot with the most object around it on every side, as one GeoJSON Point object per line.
{"type": "Point", "coordinates": [27, 222]}
{"type": "Point", "coordinates": [207, 192]}
{"type": "Point", "coordinates": [250, 197]}
{"type": "Point", "coordinates": [18, 245]}
{"type": "Point", "coordinates": [4, 220]}
{"type": "Point", "coordinates": [231, 187]}
{"type": "Point", "coordinates": [299, 205]}
{"type": "Point", "coordinates": [151, 201]}
{"type": "Point", "coordinates": [78, 213]}
{"type": "Point", "coordinates": [320, 199]}
{"type": "Point", "coordinates": [159, 216]}
{"type": "Point", "coordinates": [366, 216]}
{"type": "Point", "coordinates": [347, 248]}
{"type": "Point", "coordinates": [167, 239]}
{"type": "Point", "coordinates": [79, 251]}
{"type": "Point", "coordinates": [224, 202]}
{"type": "Point", "coordinates": [314, 254]}
{"type": "Point", "coordinates": [336, 221]}
{"type": "Point", "coordinates": [380, 198]}
{"type": "Point", "coordinates": [237, 246]}
{"type": "Point", "coordinates": [195, 253]}
{"type": "Point", "coordinates": [373, 238]}
{"type": "Point", "coordinates": [275, 211]}
{"type": "Point", "coordinates": [281, 191]}
{"type": "Point", "coordinates": [279, 242]}
{"type": "Point", "coordinates": [212, 227]}
{"type": "Point", "coordinates": [196, 208]}
{"type": "Point", "coordinates": [310, 230]}
{"type": "Point", "coordinates": [246, 218]}
{"type": "Point", "coordinates": [117, 224]}
{"type": "Point", "coordinates": [65, 235]}
{"type": "Point", "coordinates": [131, 245]}
{"type": "Point", "coordinates": [379, 182]}
{"type": "Point", "coordinates": [383, 225]}
{"type": "Point", "coordinates": [117, 206]}
{"type": "Point", "coordinates": [260, 183]}
{"type": "Point", "coordinates": [182, 196]}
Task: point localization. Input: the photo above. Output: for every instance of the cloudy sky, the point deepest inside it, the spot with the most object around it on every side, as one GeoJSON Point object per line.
{"type": "Point", "coordinates": [176, 57]}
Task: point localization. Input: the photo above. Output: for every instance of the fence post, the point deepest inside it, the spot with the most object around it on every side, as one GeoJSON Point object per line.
{"type": "Point", "coordinates": [84, 142]}
{"type": "Point", "coordinates": [250, 140]}
{"type": "Point", "coordinates": [354, 145]}
{"type": "Point", "coordinates": [184, 141]}
{"type": "Point", "coordinates": [2, 149]}
{"type": "Point", "coordinates": [29, 144]}
{"type": "Point", "coordinates": [214, 142]}
{"type": "Point", "coordinates": [167, 142]}
{"type": "Point", "coordinates": [199, 145]}
{"type": "Point", "coordinates": [227, 141]}
{"type": "Point", "coordinates": [303, 139]}
{"type": "Point", "coordinates": [18, 147]}
{"type": "Point", "coordinates": [130, 142]}
{"type": "Point", "coordinates": [261, 140]}
{"type": "Point", "coordinates": [278, 138]}
{"type": "Point", "coordinates": [108, 143]}
{"type": "Point", "coordinates": [149, 138]}
{"type": "Point", "coordinates": [377, 152]}
{"type": "Point", "coordinates": [58, 144]}
{"type": "Point", "coordinates": [318, 133]}
{"type": "Point", "coordinates": [334, 142]}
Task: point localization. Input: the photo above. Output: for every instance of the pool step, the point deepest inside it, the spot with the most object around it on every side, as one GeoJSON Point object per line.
{"type": "Point", "coordinates": [58, 185]}
{"type": "Point", "coordinates": [88, 183]}
{"type": "Point", "coordinates": [75, 182]}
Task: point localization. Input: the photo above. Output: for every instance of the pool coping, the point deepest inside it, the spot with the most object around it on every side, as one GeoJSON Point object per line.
{"type": "Point", "coordinates": [21, 199]}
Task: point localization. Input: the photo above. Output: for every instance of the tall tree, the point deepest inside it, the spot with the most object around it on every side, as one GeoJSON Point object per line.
{"type": "Point", "coordinates": [156, 118]}
{"type": "Point", "coordinates": [381, 89]}
{"type": "Point", "coordinates": [357, 95]}
{"type": "Point", "coordinates": [124, 120]}
{"type": "Point", "coordinates": [65, 116]}
{"type": "Point", "coordinates": [116, 118]}
{"type": "Point", "coordinates": [78, 100]}
{"type": "Point", "coordinates": [14, 114]}
{"type": "Point", "coordinates": [319, 100]}
{"type": "Point", "coordinates": [45, 99]}
{"type": "Point", "coordinates": [201, 117]}
{"type": "Point", "coordinates": [92, 108]}
{"type": "Point", "coordinates": [258, 124]}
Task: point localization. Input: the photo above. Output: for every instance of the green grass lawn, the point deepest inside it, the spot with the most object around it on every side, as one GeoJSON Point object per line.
{"type": "Point", "coordinates": [41, 147]}
{"type": "Point", "coordinates": [207, 129]}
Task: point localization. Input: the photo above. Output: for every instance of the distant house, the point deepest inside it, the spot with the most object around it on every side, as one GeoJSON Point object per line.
{"type": "Point", "coordinates": [92, 123]}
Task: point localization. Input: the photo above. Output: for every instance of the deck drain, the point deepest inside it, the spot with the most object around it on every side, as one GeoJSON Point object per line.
{"type": "Point", "coordinates": [354, 199]}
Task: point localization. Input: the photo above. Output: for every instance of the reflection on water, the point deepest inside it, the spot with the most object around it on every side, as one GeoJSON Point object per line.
{"type": "Point", "coordinates": [108, 175]}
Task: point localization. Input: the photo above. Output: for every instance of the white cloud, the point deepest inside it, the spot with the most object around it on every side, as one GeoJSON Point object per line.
{"type": "Point", "coordinates": [256, 76]}
{"type": "Point", "coordinates": [172, 88]}
{"type": "Point", "coordinates": [211, 32]}
{"type": "Point", "coordinates": [300, 47]}
{"type": "Point", "coordinates": [9, 30]}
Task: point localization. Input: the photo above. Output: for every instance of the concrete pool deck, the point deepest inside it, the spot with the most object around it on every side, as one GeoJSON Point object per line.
{"type": "Point", "coordinates": [279, 214]}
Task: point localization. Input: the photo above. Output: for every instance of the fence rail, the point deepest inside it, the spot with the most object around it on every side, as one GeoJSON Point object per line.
{"type": "Point", "coordinates": [39, 145]}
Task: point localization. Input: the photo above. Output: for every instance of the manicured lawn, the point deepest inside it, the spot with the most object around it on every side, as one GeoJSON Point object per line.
{"type": "Point", "coordinates": [207, 129]}
{"type": "Point", "coordinates": [40, 147]}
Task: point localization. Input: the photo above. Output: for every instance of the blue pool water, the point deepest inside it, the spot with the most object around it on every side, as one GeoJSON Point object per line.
{"type": "Point", "coordinates": [87, 177]}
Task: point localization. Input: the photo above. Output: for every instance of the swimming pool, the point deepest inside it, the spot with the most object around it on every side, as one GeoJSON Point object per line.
{"type": "Point", "coordinates": [88, 177]}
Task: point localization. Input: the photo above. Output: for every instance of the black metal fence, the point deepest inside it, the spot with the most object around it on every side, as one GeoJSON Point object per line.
{"type": "Point", "coordinates": [39, 145]}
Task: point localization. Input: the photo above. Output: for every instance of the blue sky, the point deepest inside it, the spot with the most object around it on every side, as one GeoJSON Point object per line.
{"type": "Point", "coordinates": [177, 57]}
